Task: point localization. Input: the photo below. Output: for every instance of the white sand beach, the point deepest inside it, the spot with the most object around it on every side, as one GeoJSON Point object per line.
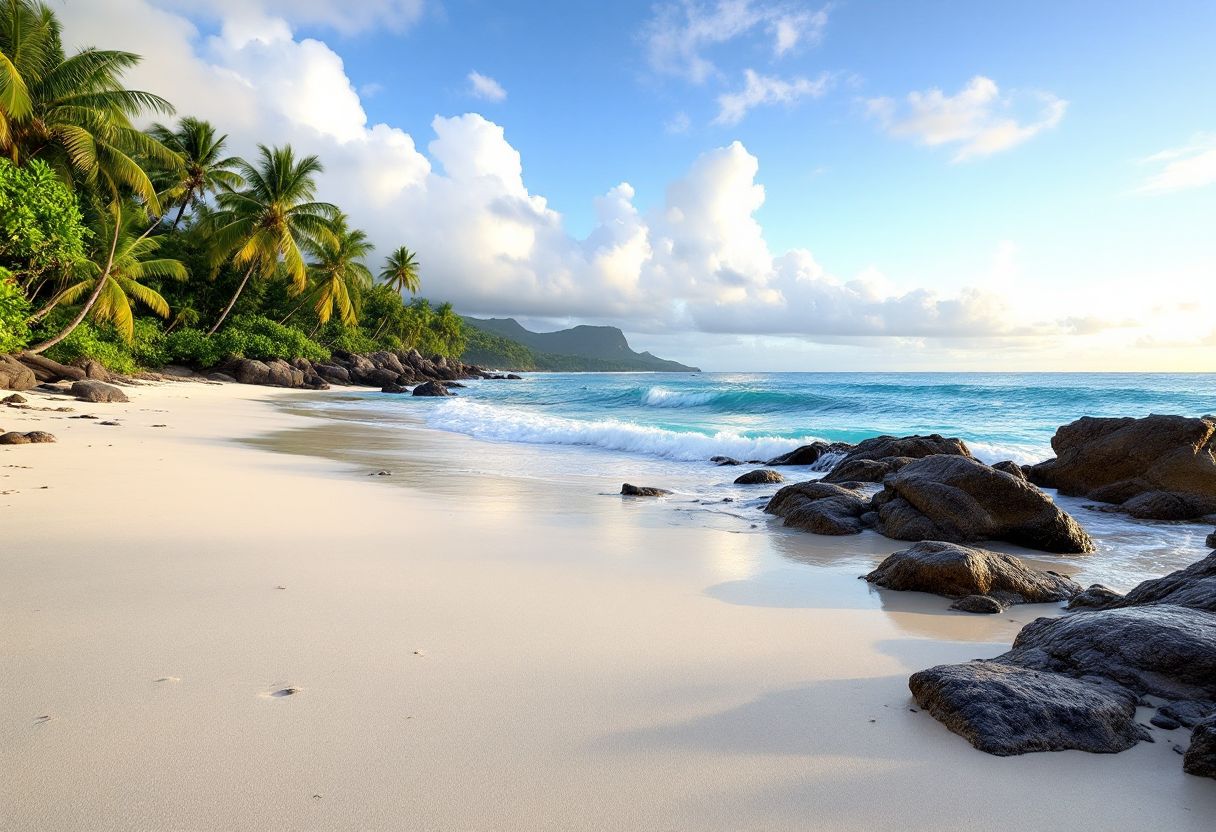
{"type": "Point", "coordinates": [480, 657]}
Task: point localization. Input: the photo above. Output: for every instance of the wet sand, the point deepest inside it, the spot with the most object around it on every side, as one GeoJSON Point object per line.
{"type": "Point", "coordinates": [467, 652]}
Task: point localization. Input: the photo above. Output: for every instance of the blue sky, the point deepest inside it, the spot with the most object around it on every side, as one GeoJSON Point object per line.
{"type": "Point", "coordinates": [1012, 202]}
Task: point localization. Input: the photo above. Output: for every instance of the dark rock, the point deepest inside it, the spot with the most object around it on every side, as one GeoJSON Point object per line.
{"type": "Point", "coordinates": [957, 571]}
{"type": "Point", "coordinates": [820, 507]}
{"type": "Point", "coordinates": [456, 385]}
{"type": "Point", "coordinates": [92, 368]}
{"type": "Point", "coordinates": [957, 499]}
{"type": "Point", "coordinates": [810, 454]}
{"type": "Point", "coordinates": [16, 398]}
{"type": "Point", "coordinates": [378, 377]}
{"type": "Point", "coordinates": [303, 365]}
{"type": "Point", "coordinates": [91, 390]}
{"type": "Point", "coordinates": [281, 374]}
{"type": "Point", "coordinates": [250, 371]}
{"type": "Point", "coordinates": [1011, 468]}
{"type": "Point", "coordinates": [40, 437]}
{"type": "Point", "coordinates": [1164, 722]}
{"type": "Point", "coordinates": [224, 377]}
{"type": "Point", "coordinates": [45, 369]}
{"type": "Point", "coordinates": [1170, 505]}
{"type": "Point", "coordinates": [14, 438]}
{"type": "Point", "coordinates": [761, 477]}
{"type": "Point", "coordinates": [394, 388]}
{"type": "Point", "coordinates": [1188, 712]}
{"type": "Point", "coordinates": [884, 449]}
{"type": "Point", "coordinates": [514, 377]}
{"type": "Point", "coordinates": [1096, 597]}
{"type": "Point", "coordinates": [333, 373]}
{"type": "Point", "coordinates": [724, 460]}
{"type": "Point", "coordinates": [1117, 460]}
{"type": "Point", "coordinates": [14, 375]}
{"type": "Point", "coordinates": [315, 382]}
{"type": "Point", "coordinates": [1194, 586]}
{"type": "Point", "coordinates": [386, 361]}
{"type": "Point", "coordinates": [1004, 709]}
{"type": "Point", "coordinates": [1164, 650]}
{"type": "Point", "coordinates": [1211, 541]}
{"type": "Point", "coordinates": [431, 388]}
{"type": "Point", "coordinates": [628, 490]}
{"type": "Point", "coordinates": [1200, 758]}
{"type": "Point", "coordinates": [979, 604]}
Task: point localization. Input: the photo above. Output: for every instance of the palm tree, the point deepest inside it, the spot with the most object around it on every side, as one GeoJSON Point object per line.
{"type": "Point", "coordinates": [205, 169]}
{"type": "Point", "coordinates": [340, 272]}
{"type": "Point", "coordinates": [113, 272]}
{"type": "Point", "coordinates": [270, 218]}
{"type": "Point", "coordinates": [401, 271]}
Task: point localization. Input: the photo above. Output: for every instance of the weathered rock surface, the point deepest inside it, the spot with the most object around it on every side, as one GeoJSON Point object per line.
{"type": "Point", "coordinates": [432, 388]}
{"type": "Point", "coordinates": [1158, 467]}
{"type": "Point", "coordinates": [956, 571]}
{"type": "Point", "coordinates": [810, 454]}
{"type": "Point", "coordinates": [958, 499]}
{"type": "Point", "coordinates": [91, 390]}
{"type": "Point", "coordinates": [820, 507]}
{"type": "Point", "coordinates": [15, 376]}
{"type": "Point", "coordinates": [1211, 540]}
{"type": "Point", "coordinates": [1188, 712]}
{"type": "Point", "coordinates": [1011, 468]}
{"type": "Point", "coordinates": [15, 398]}
{"type": "Point", "coordinates": [1004, 709]}
{"type": "Point", "coordinates": [761, 477]}
{"type": "Point", "coordinates": [14, 438]}
{"type": "Point", "coordinates": [40, 437]}
{"type": "Point", "coordinates": [978, 604]}
{"type": "Point", "coordinates": [628, 490]}
{"type": "Point", "coordinates": [250, 371]}
{"type": "Point", "coordinates": [1095, 597]}
{"type": "Point", "coordinates": [44, 369]}
{"type": "Point", "coordinates": [394, 388]}
{"type": "Point", "coordinates": [1194, 586]}
{"type": "Point", "coordinates": [92, 368]}
{"type": "Point", "coordinates": [1200, 757]}
{"type": "Point", "coordinates": [889, 454]}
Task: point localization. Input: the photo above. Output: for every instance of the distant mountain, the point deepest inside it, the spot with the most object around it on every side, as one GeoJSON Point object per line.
{"type": "Point", "coordinates": [503, 343]}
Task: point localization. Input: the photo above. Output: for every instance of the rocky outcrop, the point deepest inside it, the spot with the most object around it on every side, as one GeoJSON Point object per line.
{"type": "Point", "coordinates": [1194, 587]}
{"type": "Point", "coordinates": [1200, 757]}
{"type": "Point", "coordinates": [810, 454]}
{"type": "Point", "coordinates": [1095, 597]}
{"type": "Point", "coordinates": [91, 390]}
{"type": "Point", "coordinates": [628, 490]}
{"type": "Point", "coordinates": [873, 459]}
{"type": "Point", "coordinates": [820, 507]}
{"type": "Point", "coordinates": [14, 438]}
{"type": "Point", "coordinates": [956, 571]}
{"type": "Point", "coordinates": [92, 369]}
{"type": "Point", "coordinates": [1004, 709]}
{"type": "Point", "coordinates": [1211, 541]}
{"type": "Point", "coordinates": [46, 370]}
{"type": "Point", "coordinates": [761, 477]}
{"type": "Point", "coordinates": [1157, 468]}
{"type": "Point", "coordinates": [14, 375]}
{"type": "Point", "coordinates": [961, 500]}
{"type": "Point", "coordinates": [432, 388]}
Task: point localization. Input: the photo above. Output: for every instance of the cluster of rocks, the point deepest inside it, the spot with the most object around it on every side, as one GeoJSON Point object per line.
{"type": "Point", "coordinates": [33, 437]}
{"type": "Point", "coordinates": [25, 371]}
{"type": "Point", "coordinates": [931, 489]}
{"type": "Point", "coordinates": [1075, 682]}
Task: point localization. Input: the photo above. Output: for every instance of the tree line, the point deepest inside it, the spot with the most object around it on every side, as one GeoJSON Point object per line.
{"type": "Point", "coordinates": [143, 247]}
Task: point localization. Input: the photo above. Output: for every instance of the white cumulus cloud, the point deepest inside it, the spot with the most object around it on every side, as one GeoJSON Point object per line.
{"type": "Point", "coordinates": [681, 32]}
{"type": "Point", "coordinates": [977, 119]}
{"type": "Point", "coordinates": [1192, 166]}
{"type": "Point", "coordinates": [766, 89]}
{"type": "Point", "coordinates": [485, 87]}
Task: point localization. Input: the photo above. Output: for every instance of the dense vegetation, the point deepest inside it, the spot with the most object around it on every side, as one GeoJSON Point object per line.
{"type": "Point", "coordinates": [141, 248]}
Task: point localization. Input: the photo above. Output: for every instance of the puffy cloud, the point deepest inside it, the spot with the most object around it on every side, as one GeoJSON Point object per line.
{"type": "Point", "coordinates": [765, 89]}
{"type": "Point", "coordinates": [976, 119]}
{"type": "Point", "coordinates": [681, 32]}
{"type": "Point", "coordinates": [1192, 166]}
{"type": "Point", "coordinates": [485, 87]}
{"type": "Point", "coordinates": [698, 260]}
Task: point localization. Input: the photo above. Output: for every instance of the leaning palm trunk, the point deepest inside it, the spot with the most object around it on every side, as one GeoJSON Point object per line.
{"type": "Point", "coordinates": [232, 302]}
{"type": "Point", "coordinates": [84, 310]}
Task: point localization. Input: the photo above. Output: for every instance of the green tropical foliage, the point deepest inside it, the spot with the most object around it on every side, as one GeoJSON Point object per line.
{"type": "Point", "coordinates": [204, 169]}
{"type": "Point", "coordinates": [41, 229]}
{"type": "Point", "coordinates": [400, 271]}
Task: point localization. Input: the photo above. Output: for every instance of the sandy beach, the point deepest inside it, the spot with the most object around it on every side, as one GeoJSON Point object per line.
{"type": "Point", "coordinates": [200, 633]}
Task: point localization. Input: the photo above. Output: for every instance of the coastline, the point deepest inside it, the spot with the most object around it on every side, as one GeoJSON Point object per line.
{"type": "Point", "coordinates": [476, 656]}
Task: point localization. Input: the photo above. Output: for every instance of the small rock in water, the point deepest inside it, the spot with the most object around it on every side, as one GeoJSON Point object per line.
{"type": "Point", "coordinates": [628, 490]}
{"type": "Point", "coordinates": [980, 604]}
{"type": "Point", "coordinates": [761, 477]}
{"type": "Point", "coordinates": [383, 474]}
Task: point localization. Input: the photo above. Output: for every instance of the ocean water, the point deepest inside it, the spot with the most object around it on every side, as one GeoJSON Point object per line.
{"type": "Point", "coordinates": [594, 431]}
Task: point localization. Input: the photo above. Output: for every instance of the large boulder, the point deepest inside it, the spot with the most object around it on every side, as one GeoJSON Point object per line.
{"type": "Point", "coordinates": [820, 507]}
{"type": "Point", "coordinates": [378, 377]}
{"type": "Point", "coordinates": [432, 388]}
{"type": "Point", "coordinates": [761, 477]}
{"type": "Point", "coordinates": [250, 371]}
{"type": "Point", "coordinates": [1158, 467]}
{"type": "Point", "coordinates": [15, 376]}
{"type": "Point", "coordinates": [333, 373]}
{"type": "Point", "coordinates": [957, 571]}
{"type": "Point", "coordinates": [885, 448]}
{"type": "Point", "coordinates": [92, 368]}
{"type": "Point", "coordinates": [1200, 757]}
{"type": "Point", "coordinates": [281, 374]}
{"type": "Point", "coordinates": [1004, 709]}
{"type": "Point", "coordinates": [960, 500]}
{"type": "Point", "coordinates": [810, 454]}
{"type": "Point", "coordinates": [1194, 586]}
{"type": "Point", "coordinates": [91, 390]}
{"type": "Point", "coordinates": [386, 361]}
{"type": "Point", "coordinates": [14, 438]}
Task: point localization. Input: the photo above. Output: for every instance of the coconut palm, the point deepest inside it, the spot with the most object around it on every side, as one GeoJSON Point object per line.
{"type": "Point", "coordinates": [340, 273]}
{"type": "Point", "coordinates": [73, 112]}
{"type": "Point", "coordinates": [270, 219]}
{"type": "Point", "coordinates": [204, 168]}
{"type": "Point", "coordinates": [112, 272]}
{"type": "Point", "coordinates": [401, 271]}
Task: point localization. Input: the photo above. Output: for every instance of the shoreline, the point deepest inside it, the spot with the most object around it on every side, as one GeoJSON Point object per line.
{"type": "Point", "coordinates": [471, 657]}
